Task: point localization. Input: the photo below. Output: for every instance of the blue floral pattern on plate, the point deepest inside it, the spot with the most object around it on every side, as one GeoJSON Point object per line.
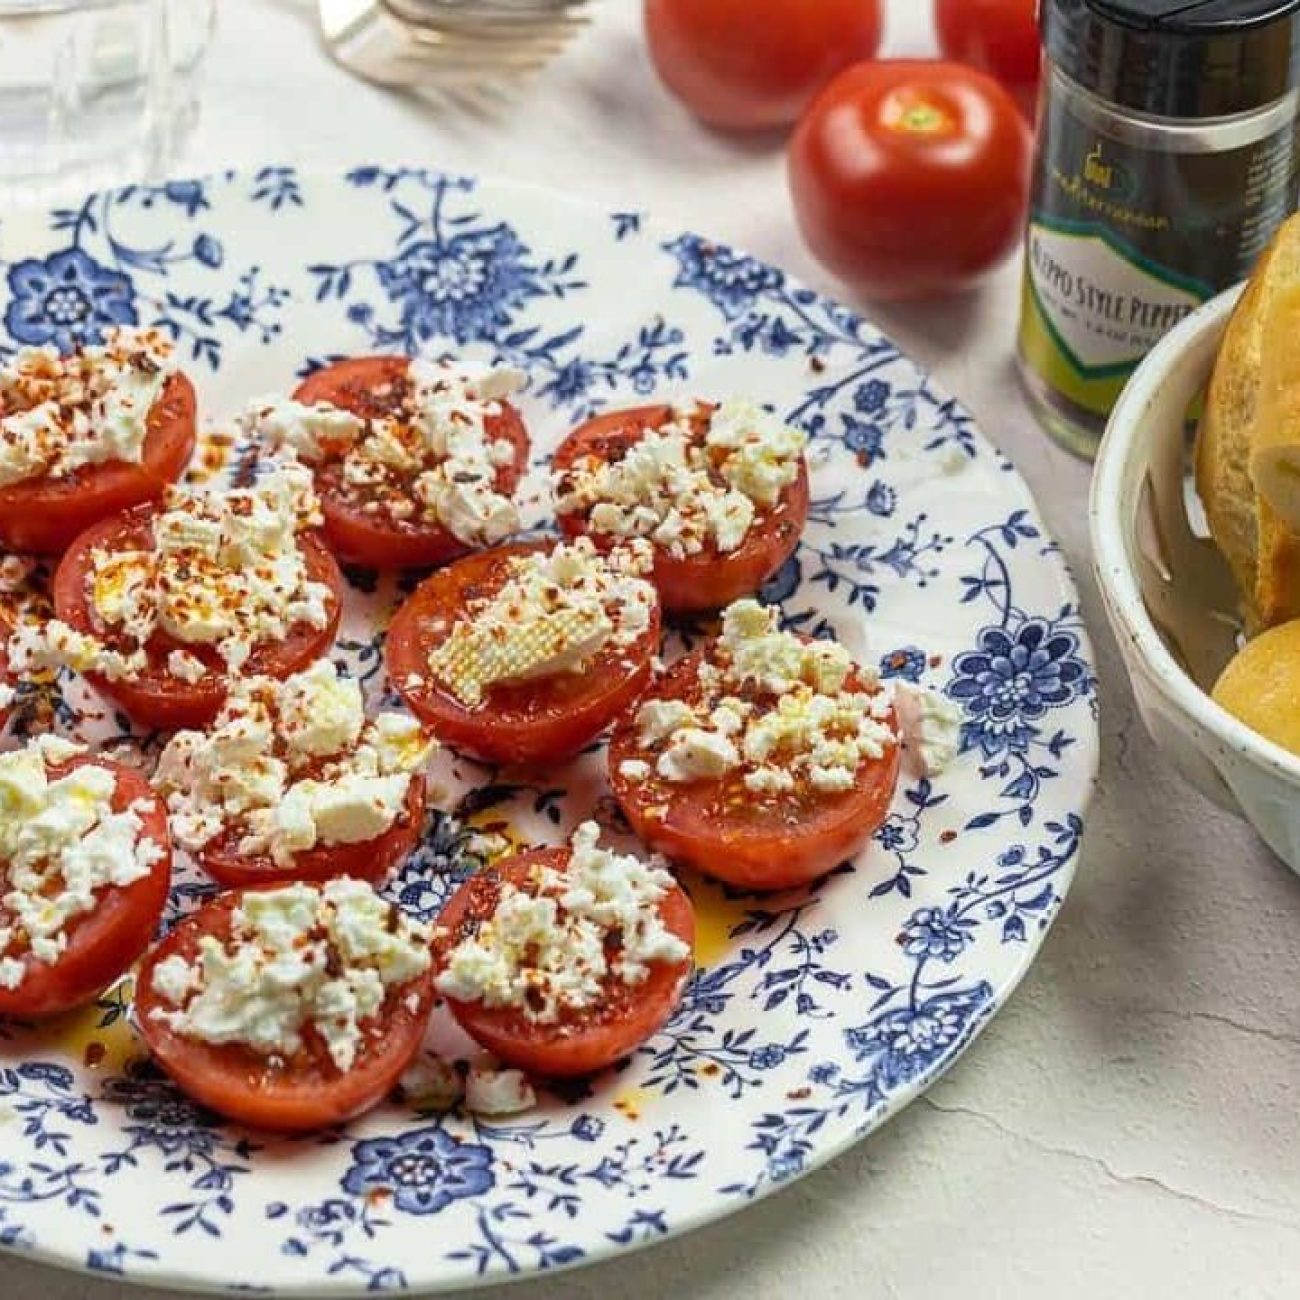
{"type": "Point", "coordinates": [813, 1016]}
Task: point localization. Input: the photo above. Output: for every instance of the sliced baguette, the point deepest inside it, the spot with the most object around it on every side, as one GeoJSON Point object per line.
{"type": "Point", "coordinates": [1250, 425]}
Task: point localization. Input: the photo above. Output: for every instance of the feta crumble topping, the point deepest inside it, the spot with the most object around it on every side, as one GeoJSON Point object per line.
{"type": "Point", "coordinates": [325, 956]}
{"type": "Point", "coordinates": [775, 709]}
{"type": "Point", "coordinates": [554, 613]}
{"type": "Point", "coordinates": [931, 725]}
{"type": "Point", "coordinates": [61, 843]}
{"type": "Point", "coordinates": [545, 950]}
{"type": "Point", "coordinates": [62, 413]}
{"type": "Point", "coordinates": [226, 570]}
{"type": "Point", "coordinates": [696, 482]}
{"type": "Point", "coordinates": [431, 459]}
{"type": "Point", "coordinates": [290, 765]}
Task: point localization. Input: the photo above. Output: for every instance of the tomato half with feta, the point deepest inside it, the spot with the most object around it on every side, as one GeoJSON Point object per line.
{"type": "Point", "coordinates": [539, 720]}
{"type": "Point", "coordinates": [104, 942]}
{"type": "Point", "coordinates": [577, 1041]}
{"type": "Point", "coordinates": [158, 698]}
{"type": "Point", "coordinates": [711, 577]}
{"type": "Point", "coordinates": [360, 525]}
{"type": "Point", "coordinates": [297, 1090]}
{"type": "Point", "coordinates": [45, 515]}
{"type": "Point", "coordinates": [373, 860]}
{"type": "Point", "coordinates": [728, 830]}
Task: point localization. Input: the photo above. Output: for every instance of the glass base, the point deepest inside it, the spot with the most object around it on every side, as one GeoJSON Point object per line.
{"type": "Point", "coordinates": [1071, 426]}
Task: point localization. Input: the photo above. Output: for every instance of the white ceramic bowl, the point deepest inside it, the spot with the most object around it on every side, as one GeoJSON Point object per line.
{"type": "Point", "coordinates": [1167, 592]}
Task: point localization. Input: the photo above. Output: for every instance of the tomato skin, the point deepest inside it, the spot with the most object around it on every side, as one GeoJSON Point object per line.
{"type": "Point", "coordinates": [910, 177]}
{"type": "Point", "coordinates": [692, 583]}
{"type": "Point", "coordinates": [156, 699]}
{"type": "Point", "coordinates": [725, 831]}
{"type": "Point", "coordinates": [736, 64]}
{"type": "Point", "coordinates": [307, 1092]}
{"type": "Point", "coordinates": [44, 516]}
{"type": "Point", "coordinates": [370, 860]}
{"type": "Point", "coordinates": [103, 943]}
{"type": "Point", "coordinates": [572, 1046]}
{"type": "Point", "coordinates": [999, 37]}
{"type": "Point", "coordinates": [357, 537]}
{"type": "Point", "coordinates": [525, 722]}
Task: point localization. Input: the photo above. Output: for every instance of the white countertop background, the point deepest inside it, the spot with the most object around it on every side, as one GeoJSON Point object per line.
{"type": "Point", "coordinates": [1128, 1125]}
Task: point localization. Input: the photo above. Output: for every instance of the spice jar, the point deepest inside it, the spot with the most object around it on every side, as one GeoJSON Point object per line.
{"type": "Point", "coordinates": [1167, 156]}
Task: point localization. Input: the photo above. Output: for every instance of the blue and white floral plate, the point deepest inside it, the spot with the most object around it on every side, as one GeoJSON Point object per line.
{"type": "Point", "coordinates": [813, 1016]}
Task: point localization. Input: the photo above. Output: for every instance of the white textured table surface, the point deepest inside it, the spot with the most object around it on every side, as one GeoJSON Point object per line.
{"type": "Point", "coordinates": [1128, 1126]}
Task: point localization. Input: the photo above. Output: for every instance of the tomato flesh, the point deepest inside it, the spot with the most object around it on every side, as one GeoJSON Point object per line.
{"type": "Point", "coordinates": [579, 1042]}
{"type": "Point", "coordinates": [105, 942]}
{"type": "Point", "coordinates": [537, 721]}
{"type": "Point", "coordinates": [748, 66]}
{"type": "Point", "coordinates": [372, 387]}
{"type": "Point", "coordinates": [43, 516]}
{"type": "Point", "coordinates": [911, 178]}
{"type": "Point", "coordinates": [724, 830]}
{"type": "Point", "coordinates": [156, 698]}
{"type": "Point", "coordinates": [711, 579]}
{"type": "Point", "coordinates": [370, 860]}
{"type": "Point", "coordinates": [304, 1092]}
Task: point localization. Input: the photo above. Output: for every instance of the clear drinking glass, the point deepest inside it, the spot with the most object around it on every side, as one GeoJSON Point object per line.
{"type": "Point", "coordinates": [96, 92]}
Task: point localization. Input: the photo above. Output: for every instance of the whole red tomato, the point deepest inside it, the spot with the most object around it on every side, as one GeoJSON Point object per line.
{"type": "Point", "coordinates": [910, 177]}
{"type": "Point", "coordinates": [999, 37]}
{"type": "Point", "coordinates": [751, 64]}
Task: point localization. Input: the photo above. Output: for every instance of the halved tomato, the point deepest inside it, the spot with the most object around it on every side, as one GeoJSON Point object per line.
{"type": "Point", "coordinates": [544, 720]}
{"type": "Point", "coordinates": [44, 515]}
{"type": "Point", "coordinates": [305, 1091]}
{"type": "Point", "coordinates": [374, 387]}
{"type": "Point", "coordinates": [578, 1042]}
{"type": "Point", "coordinates": [712, 578]}
{"type": "Point", "coordinates": [157, 698]}
{"type": "Point", "coordinates": [370, 860]}
{"type": "Point", "coordinates": [727, 831]}
{"type": "Point", "coordinates": [102, 943]}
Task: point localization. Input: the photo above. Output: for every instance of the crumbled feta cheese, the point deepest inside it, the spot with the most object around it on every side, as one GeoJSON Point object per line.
{"type": "Point", "coordinates": [186, 667]}
{"type": "Point", "coordinates": [544, 951]}
{"type": "Point", "coordinates": [699, 480]}
{"type": "Point", "coordinates": [634, 769]}
{"type": "Point", "coordinates": [300, 955]}
{"type": "Point", "coordinates": [432, 1082]}
{"type": "Point", "coordinates": [61, 844]}
{"type": "Point", "coordinates": [490, 1091]}
{"type": "Point", "coordinates": [432, 455]}
{"type": "Point", "coordinates": [290, 765]}
{"type": "Point", "coordinates": [555, 611]}
{"type": "Point", "coordinates": [62, 413]}
{"type": "Point", "coordinates": [775, 709]}
{"type": "Point", "coordinates": [931, 725]}
{"type": "Point", "coordinates": [225, 570]}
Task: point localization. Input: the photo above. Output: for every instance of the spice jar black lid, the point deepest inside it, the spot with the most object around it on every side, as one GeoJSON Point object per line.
{"type": "Point", "coordinates": [1177, 58]}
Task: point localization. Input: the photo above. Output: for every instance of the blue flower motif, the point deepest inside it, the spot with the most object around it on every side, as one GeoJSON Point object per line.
{"type": "Point", "coordinates": [783, 1167]}
{"type": "Point", "coordinates": [1012, 679]}
{"type": "Point", "coordinates": [464, 288]}
{"type": "Point", "coordinates": [425, 1170]}
{"type": "Point", "coordinates": [208, 251]}
{"type": "Point", "coordinates": [930, 933]}
{"type": "Point", "coordinates": [783, 583]}
{"type": "Point", "coordinates": [871, 397]}
{"type": "Point", "coordinates": [767, 1057]}
{"type": "Point", "coordinates": [360, 313]}
{"type": "Point", "coordinates": [587, 1128]}
{"type": "Point", "coordinates": [57, 1076]}
{"type": "Point", "coordinates": [907, 662]}
{"type": "Point", "coordinates": [326, 1218]}
{"type": "Point", "coordinates": [907, 1041]}
{"type": "Point", "coordinates": [66, 299]}
{"type": "Point", "coordinates": [730, 280]}
{"type": "Point", "coordinates": [863, 440]}
{"type": "Point", "coordinates": [824, 1072]}
{"type": "Point", "coordinates": [897, 834]}
{"type": "Point", "coordinates": [572, 381]}
{"type": "Point", "coordinates": [881, 499]}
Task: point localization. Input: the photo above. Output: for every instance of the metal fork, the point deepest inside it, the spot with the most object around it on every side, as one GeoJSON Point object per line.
{"type": "Point", "coordinates": [448, 44]}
